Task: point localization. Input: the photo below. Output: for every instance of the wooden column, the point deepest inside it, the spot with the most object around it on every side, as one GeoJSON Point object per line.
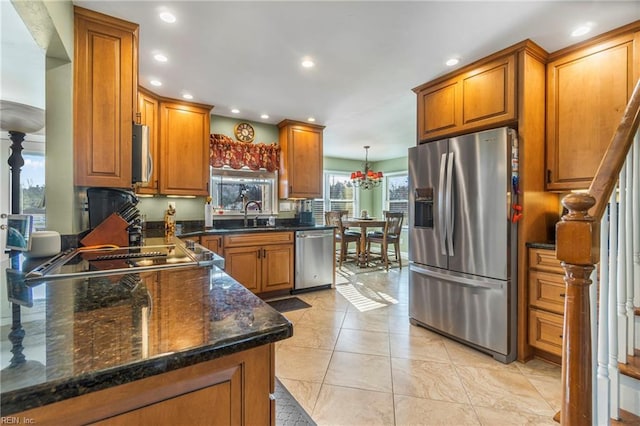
{"type": "Point", "coordinates": [577, 246]}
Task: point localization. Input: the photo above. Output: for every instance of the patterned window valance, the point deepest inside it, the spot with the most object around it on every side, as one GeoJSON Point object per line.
{"type": "Point", "coordinates": [223, 151]}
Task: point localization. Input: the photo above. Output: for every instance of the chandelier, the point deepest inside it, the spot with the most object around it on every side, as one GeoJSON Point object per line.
{"type": "Point", "coordinates": [367, 179]}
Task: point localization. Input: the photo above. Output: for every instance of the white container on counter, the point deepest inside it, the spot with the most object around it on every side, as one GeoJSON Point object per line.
{"type": "Point", "coordinates": [44, 244]}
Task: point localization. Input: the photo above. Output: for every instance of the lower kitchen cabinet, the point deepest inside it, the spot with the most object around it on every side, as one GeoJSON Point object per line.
{"type": "Point", "coordinates": [546, 302]}
{"type": "Point", "coordinates": [231, 390]}
{"type": "Point", "coordinates": [261, 262]}
{"type": "Point", "coordinates": [213, 243]}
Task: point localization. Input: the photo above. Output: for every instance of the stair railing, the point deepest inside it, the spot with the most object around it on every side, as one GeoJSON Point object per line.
{"type": "Point", "coordinates": [619, 285]}
{"type": "Point", "coordinates": [578, 248]}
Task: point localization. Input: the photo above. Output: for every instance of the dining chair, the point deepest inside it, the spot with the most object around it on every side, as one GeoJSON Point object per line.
{"type": "Point", "coordinates": [344, 237]}
{"type": "Point", "coordinates": [389, 235]}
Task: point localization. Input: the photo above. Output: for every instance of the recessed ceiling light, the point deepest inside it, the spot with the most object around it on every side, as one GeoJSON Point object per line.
{"type": "Point", "coordinates": [168, 17]}
{"type": "Point", "coordinates": [311, 119]}
{"type": "Point", "coordinates": [187, 96]}
{"type": "Point", "coordinates": [582, 29]}
{"type": "Point", "coordinates": [235, 111]}
{"type": "Point", "coordinates": [156, 83]}
{"type": "Point", "coordinates": [264, 116]}
{"type": "Point", "coordinates": [160, 57]}
{"type": "Point", "coordinates": [452, 61]}
{"type": "Point", "coordinates": [307, 62]}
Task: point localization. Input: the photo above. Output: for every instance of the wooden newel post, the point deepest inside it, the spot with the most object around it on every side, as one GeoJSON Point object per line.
{"type": "Point", "coordinates": [577, 247]}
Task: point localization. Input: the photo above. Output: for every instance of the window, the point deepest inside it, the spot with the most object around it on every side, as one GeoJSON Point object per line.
{"type": "Point", "coordinates": [228, 186]}
{"type": "Point", "coordinates": [341, 195]}
{"type": "Point", "coordinates": [32, 184]}
{"type": "Point", "coordinates": [397, 193]}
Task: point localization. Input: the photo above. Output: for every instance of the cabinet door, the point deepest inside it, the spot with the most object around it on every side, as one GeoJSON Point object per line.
{"type": "Point", "coordinates": [587, 92]}
{"type": "Point", "coordinates": [545, 331]}
{"type": "Point", "coordinates": [488, 93]}
{"type": "Point", "coordinates": [438, 109]}
{"type": "Point", "coordinates": [301, 160]}
{"type": "Point", "coordinates": [213, 243]}
{"type": "Point", "coordinates": [184, 148]}
{"type": "Point", "coordinates": [244, 265]}
{"type": "Point", "coordinates": [105, 86]}
{"type": "Point", "coordinates": [277, 267]}
{"type": "Point", "coordinates": [149, 114]}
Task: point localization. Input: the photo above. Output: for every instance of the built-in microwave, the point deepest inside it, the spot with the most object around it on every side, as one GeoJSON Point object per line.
{"type": "Point", "coordinates": [142, 164]}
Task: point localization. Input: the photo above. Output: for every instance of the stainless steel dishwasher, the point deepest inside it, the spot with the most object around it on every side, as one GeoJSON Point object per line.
{"type": "Point", "coordinates": [314, 259]}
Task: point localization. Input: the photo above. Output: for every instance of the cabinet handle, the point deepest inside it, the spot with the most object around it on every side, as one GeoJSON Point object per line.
{"type": "Point", "coordinates": [561, 336]}
{"type": "Point", "coordinates": [259, 253]}
{"type": "Point", "coordinates": [264, 253]}
{"type": "Point", "coordinates": [562, 295]}
{"type": "Point", "coordinates": [548, 175]}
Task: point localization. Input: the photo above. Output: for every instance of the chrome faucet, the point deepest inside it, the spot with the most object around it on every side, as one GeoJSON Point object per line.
{"type": "Point", "coordinates": [245, 211]}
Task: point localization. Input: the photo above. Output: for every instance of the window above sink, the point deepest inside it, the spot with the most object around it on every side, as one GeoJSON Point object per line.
{"type": "Point", "coordinates": [228, 185]}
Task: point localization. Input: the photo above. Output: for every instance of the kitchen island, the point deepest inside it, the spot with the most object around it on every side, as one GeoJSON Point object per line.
{"type": "Point", "coordinates": [180, 345]}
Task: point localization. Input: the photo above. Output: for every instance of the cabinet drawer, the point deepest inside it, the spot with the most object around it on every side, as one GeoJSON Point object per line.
{"type": "Point", "coordinates": [547, 291]}
{"type": "Point", "coordinates": [545, 331]}
{"type": "Point", "coordinates": [252, 239]}
{"type": "Point", "coordinates": [545, 260]}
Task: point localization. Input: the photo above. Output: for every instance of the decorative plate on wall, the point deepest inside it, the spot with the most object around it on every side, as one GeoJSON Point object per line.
{"type": "Point", "coordinates": [244, 132]}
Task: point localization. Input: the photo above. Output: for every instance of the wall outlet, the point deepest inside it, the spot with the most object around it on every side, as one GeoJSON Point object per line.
{"type": "Point", "coordinates": [172, 205]}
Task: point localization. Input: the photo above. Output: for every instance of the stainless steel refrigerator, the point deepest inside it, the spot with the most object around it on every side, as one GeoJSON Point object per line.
{"type": "Point", "coordinates": [462, 239]}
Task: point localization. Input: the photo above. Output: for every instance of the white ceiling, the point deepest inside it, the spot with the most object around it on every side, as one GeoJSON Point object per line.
{"type": "Point", "coordinates": [368, 55]}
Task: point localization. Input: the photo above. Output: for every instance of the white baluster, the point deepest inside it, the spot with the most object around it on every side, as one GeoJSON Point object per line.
{"type": "Point", "coordinates": [636, 220]}
{"type": "Point", "coordinates": [614, 386]}
{"type": "Point", "coordinates": [628, 258]}
{"type": "Point", "coordinates": [602, 394]}
{"type": "Point", "coordinates": [621, 268]}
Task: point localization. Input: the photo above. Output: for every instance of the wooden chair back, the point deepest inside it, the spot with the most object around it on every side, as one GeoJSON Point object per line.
{"type": "Point", "coordinates": [393, 225]}
{"type": "Point", "coordinates": [334, 218]}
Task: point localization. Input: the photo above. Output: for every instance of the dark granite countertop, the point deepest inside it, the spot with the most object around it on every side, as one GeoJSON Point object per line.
{"type": "Point", "coordinates": [549, 245]}
{"type": "Point", "coordinates": [86, 334]}
{"type": "Point", "coordinates": [233, 229]}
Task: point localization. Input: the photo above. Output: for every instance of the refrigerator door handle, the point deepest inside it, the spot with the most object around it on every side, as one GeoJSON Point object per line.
{"type": "Point", "coordinates": [449, 204]}
{"type": "Point", "coordinates": [483, 283]}
{"type": "Point", "coordinates": [442, 231]}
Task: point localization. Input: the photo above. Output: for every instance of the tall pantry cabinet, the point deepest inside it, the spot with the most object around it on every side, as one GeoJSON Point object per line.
{"type": "Point", "coordinates": [105, 86]}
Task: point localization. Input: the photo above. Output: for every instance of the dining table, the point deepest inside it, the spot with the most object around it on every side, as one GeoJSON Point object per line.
{"type": "Point", "coordinates": [363, 224]}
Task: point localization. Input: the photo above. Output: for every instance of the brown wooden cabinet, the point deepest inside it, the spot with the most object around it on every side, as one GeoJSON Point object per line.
{"type": "Point", "coordinates": [588, 87]}
{"type": "Point", "coordinates": [300, 160]}
{"type": "Point", "coordinates": [148, 108]}
{"type": "Point", "coordinates": [184, 148]}
{"type": "Point", "coordinates": [481, 96]}
{"type": "Point", "coordinates": [231, 390]}
{"type": "Point", "coordinates": [105, 85]}
{"type": "Point", "coordinates": [546, 301]}
{"type": "Point", "coordinates": [261, 262]}
{"type": "Point", "coordinates": [213, 243]}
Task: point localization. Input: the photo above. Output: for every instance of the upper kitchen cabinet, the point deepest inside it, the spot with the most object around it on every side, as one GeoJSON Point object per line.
{"type": "Point", "coordinates": [301, 160]}
{"type": "Point", "coordinates": [479, 96]}
{"type": "Point", "coordinates": [149, 110]}
{"type": "Point", "coordinates": [105, 85]}
{"type": "Point", "coordinates": [184, 148]}
{"type": "Point", "coordinates": [588, 87]}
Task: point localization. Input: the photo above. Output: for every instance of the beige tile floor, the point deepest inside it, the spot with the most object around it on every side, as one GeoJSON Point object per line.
{"type": "Point", "coordinates": [354, 359]}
